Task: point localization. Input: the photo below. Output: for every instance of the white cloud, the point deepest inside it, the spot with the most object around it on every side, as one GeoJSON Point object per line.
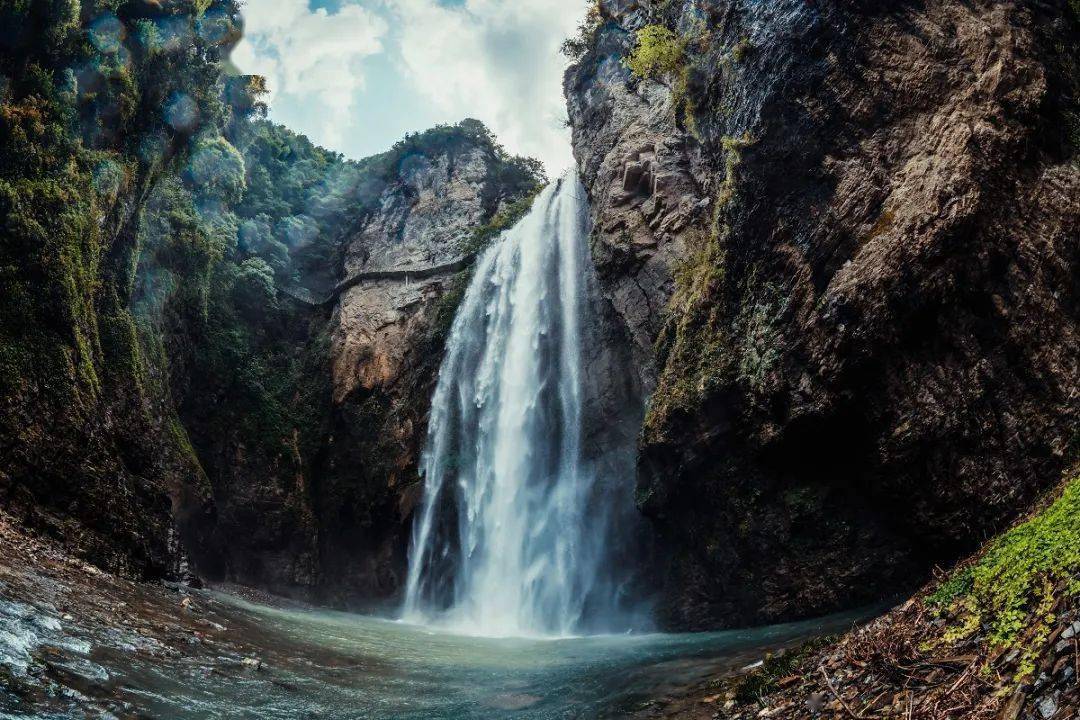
{"type": "Point", "coordinates": [311, 60]}
{"type": "Point", "coordinates": [497, 60]}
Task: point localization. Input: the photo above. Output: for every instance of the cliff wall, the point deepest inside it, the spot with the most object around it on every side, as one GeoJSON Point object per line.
{"type": "Point", "coordinates": [844, 238]}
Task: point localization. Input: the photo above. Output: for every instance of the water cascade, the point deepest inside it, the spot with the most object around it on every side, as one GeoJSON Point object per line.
{"type": "Point", "coordinates": [517, 529]}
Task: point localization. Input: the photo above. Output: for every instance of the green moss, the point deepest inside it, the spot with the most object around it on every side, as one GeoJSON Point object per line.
{"type": "Point", "coordinates": [694, 345]}
{"type": "Point", "coordinates": [482, 237]}
{"type": "Point", "coordinates": [1010, 591]}
{"type": "Point", "coordinates": [659, 53]}
{"type": "Point", "coordinates": [741, 49]}
{"type": "Point", "coordinates": [758, 325]}
{"type": "Point", "coordinates": [447, 306]}
{"type": "Point", "coordinates": [578, 46]}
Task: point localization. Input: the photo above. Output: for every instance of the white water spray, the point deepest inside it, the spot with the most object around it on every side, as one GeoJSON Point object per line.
{"type": "Point", "coordinates": [514, 534]}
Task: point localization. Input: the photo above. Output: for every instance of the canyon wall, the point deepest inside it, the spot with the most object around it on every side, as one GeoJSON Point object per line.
{"type": "Point", "coordinates": [200, 377]}
{"type": "Point", "coordinates": [844, 240]}
{"type": "Point", "coordinates": [310, 423]}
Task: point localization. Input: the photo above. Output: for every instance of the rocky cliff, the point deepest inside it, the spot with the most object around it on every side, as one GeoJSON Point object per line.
{"type": "Point", "coordinates": [307, 394]}
{"type": "Point", "coordinates": [449, 192]}
{"type": "Point", "coordinates": [844, 240]}
{"type": "Point", "coordinates": [216, 355]}
{"type": "Point", "coordinates": [96, 106]}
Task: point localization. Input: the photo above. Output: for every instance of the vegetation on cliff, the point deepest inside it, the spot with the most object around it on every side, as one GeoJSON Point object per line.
{"type": "Point", "coordinates": [97, 102]}
{"type": "Point", "coordinates": [1010, 592]}
{"type": "Point", "coordinates": [155, 377]}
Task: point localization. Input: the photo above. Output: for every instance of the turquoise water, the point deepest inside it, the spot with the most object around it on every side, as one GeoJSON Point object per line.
{"type": "Point", "coordinates": [149, 656]}
{"type": "Point", "coordinates": [336, 665]}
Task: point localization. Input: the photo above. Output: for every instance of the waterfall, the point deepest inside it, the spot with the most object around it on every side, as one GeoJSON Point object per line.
{"type": "Point", "coordinates": [515, 532]}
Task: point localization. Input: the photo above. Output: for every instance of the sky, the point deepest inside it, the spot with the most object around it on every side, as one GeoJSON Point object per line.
{"type": "Point", "coordinates": [356, 75]}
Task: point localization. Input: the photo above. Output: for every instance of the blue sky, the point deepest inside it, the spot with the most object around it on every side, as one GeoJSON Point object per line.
{"type": "Point", "coordinates": [356, 75]}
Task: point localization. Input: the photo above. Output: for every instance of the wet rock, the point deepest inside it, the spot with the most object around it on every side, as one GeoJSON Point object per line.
{"type": "Point", "coordinates": [1048, 706]}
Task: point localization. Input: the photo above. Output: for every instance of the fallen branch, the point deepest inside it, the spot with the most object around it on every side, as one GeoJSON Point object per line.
{"type": "Point", "coordinates": [838, 696]}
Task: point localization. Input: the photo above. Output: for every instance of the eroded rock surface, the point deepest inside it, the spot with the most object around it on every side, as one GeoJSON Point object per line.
{"type": "Point", "coordinates": [844, 238]}
{"type": "Point", "coordinates": [386, 343]}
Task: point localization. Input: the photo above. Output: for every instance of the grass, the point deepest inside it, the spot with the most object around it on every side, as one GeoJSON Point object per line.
{"type": "Point", "coordinates": [766, 679]}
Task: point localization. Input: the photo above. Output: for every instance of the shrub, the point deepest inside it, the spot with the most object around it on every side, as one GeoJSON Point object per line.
{"type": "Point", "coordinates": [1007, 580]}
{"type": "Point", "coordinates": [576, 47]}
{"type": "Point", "coordinates": [216, 170]}
{"type": "Point", "coordinates": [660, 52]}
{"type": "Point", "coordinates": [1009, 592]}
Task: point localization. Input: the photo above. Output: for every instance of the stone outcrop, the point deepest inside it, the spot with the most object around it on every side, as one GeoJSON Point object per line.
{"type": "Point", "coordinates": [844, 239]}
{"type": "Point", "coordinates": [386, 341]}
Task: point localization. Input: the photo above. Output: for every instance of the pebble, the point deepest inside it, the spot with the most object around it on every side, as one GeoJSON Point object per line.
{"type": "Point", "coordinates": [254, 663]}
{"type": "Point", "coordinates": [1048, 706]}
{"type": "Point", "coordinates": [1071, 631]}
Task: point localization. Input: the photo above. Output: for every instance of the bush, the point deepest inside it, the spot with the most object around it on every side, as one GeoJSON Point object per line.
{"type": "Point", "coordinates": [576, 47]}
{"type": "Point", "coordinates": [216, 170]}
{"type": "Point", "coordinates": [1010, 577]}
{"type": "Point", "coordinates": [660, 52]}
{"type": "Point", "coordinates": [254, 290]}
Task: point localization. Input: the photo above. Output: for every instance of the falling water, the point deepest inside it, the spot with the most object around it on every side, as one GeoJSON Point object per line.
{"type": "Point", "coordinates": [515, 533]}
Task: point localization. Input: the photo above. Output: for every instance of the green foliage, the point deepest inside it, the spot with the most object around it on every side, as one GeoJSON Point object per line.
{"type": "Point", "coordinates": [1010, 591]}
{"type": "Point", "coordinates": [447, 307]}
{"type": "Point", "coordinates": [659, 53]}
{"type": "Point", "coordinates": [955, 586]}
{"type": "Point", "coordinates": [253, 290]}
{"type": "Point", "coordinates": [764, 681]}
{"type": "Point", "coordinates": [694, 346]}
{"type": "Point", "coordinates": [515, 174]}
{"type": "Point", "coordinates": [578, 46]}
{"type": "Point", "coordinates": [83, 139]}
{"type": "Point", "coordinates": [216, 170]}
{"type": "Point", "coordinates": [483, 236]}
{"type": "Point", "coordinates": [1007, 581]}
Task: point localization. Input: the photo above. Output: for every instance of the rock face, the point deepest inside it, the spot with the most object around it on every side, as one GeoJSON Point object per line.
{"type": "Point", "coordinates": [88, 451]}
{"type": "Point", "coordinates": [844, 239]}
{"type": "Point", "coordinates": [425, 217]}
{"type": "Point", "coordinates": [386, 343]}
{"type": "Point", "coordinates": [310, 433]}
